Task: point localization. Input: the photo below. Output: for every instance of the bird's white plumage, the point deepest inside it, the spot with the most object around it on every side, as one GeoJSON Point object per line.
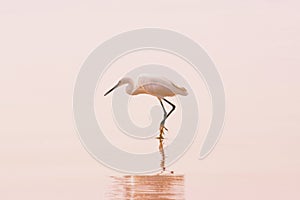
{"type": "Point", "coordinates": [160, 86]}
{"type": "Point", "coordinates": [157, 86]}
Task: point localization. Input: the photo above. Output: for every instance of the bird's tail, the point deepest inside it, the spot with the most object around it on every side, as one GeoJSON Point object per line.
{"type": "Point", "coordinates": [181, 90]}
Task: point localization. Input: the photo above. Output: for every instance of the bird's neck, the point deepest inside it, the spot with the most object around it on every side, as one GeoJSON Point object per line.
{"type": "Point", "coordinates": [130, 86]}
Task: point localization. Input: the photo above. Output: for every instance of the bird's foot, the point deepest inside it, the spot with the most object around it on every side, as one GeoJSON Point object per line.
{"type": "Point", "coordinates": [161, 132]}
{"type": "Point", "coordinates": [163, 128]}
{"type": "Point", "coordinates": [160, 137]}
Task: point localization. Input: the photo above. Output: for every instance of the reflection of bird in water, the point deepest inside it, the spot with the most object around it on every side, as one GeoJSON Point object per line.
{"type": "Point", "coordinates": [163, 158]}
{"type": "Point", "coordinates": [162, 186]}
{"type": "Point", "coordinates": [158, 87]}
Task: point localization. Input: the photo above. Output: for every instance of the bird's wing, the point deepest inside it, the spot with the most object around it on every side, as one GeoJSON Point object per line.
{"type": "Point", "coordinates": [144, 80]}
{"type": "Point", "coordinates": [173, 84]}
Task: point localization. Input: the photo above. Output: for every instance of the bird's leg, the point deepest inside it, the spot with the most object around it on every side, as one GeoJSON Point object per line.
{"type": "Point", "coordinates": [162, 105]}
{"type": "Point", "coordinates": [166, 115]}
{"type": "Point", "coordinates": [173, 108]}
{"type": "Point", "coordinates": [162, 123]}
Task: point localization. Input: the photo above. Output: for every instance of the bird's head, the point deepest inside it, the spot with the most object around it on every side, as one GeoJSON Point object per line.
{"type": "Point", "coordinates": [124, 81]}
{"type": "Point", "coordinates": [121, 82]}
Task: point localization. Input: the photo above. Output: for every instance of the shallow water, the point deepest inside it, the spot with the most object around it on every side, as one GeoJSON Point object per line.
{"type": "Point", "coordinates": [146, 187]}
{"type": "Point", "coordinates": [164, 185]}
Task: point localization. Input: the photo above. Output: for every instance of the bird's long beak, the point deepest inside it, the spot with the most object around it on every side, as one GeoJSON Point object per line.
{"type": "Point", "coordinates": [109, 91]}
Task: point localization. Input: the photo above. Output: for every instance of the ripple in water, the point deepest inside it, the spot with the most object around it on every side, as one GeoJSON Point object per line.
{"type": "Point", "coordinates": [139, 187]}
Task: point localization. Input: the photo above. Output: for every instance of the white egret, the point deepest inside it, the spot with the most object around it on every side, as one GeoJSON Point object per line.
{"type": "Point", "coordinates": [156, 86]}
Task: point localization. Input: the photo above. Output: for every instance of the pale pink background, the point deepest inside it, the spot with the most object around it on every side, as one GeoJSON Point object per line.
{"type": "Point", "coordinates": [255, 45]}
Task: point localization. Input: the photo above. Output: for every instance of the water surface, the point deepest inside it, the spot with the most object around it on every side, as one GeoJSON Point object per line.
{"type": "Point", "coordinates": [162, 186]}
